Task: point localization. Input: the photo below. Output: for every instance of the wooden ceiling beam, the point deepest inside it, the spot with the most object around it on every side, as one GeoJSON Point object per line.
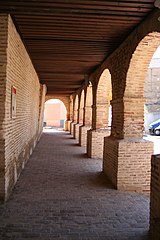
{"type": "Point", "coordinates": [80, 5]}
{"type": "Point", "coordinates": [68, 39]}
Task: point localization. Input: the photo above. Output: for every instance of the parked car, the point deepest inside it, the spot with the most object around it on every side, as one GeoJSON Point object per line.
{"type": "Point", "coordinates": [154, 128]}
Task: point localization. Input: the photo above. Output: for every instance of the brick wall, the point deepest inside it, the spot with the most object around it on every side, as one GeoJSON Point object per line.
{"type": "Point", "coordinates": [155, 198]}
{"type": "Point", "coordinates": [21, 133]}
{"type": "Point", "coordinates": [3, 65]}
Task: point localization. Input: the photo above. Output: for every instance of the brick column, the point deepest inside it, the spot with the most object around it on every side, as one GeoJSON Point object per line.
{"type": "Point", "coordinates": [155, 198]}
{"type": "Point", "coordinates": [86, 126]}
{"type": "Point", "coordinates": [126, 159]}
{"type": "Point", "coordinates": [71, 115]}
{"type": "Point", "coordinates": [128, 118]}
{"type": "Point", "coordinates": [67, 122]}
{"type": "Point", "coordinates": [76, 125]}
{"type": "Point", "coordinates": [102, 115]}
{"type": "Point", "coordinates": [81, 114]}
{"type": "Point", "coordinates": [87, 119]}
{"type": "Point", "coordinates": [95, 142]}
{"type": "Point", "coordinates": [74, 122]}
{"type": "Point", "coordinates": [95, 136]}
{"type": "Point", "coordinates": [79, 124]}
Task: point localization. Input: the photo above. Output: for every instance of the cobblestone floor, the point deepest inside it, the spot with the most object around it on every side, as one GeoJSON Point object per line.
{"type": "Point", "coordinates": [62, 194]}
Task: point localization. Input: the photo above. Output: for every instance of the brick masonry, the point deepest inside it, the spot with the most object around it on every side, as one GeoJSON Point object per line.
{"type": "Point", "coordinates": [3, 75]}
{"type": "Point", "coordinates": [81, 109]}
{"type": "Point", "coordinates": [20, 134]}
{"type": "Point", "coordinates": [155, 198]}
{"type": "Point", "coordinates": [72, 128]}
{"type": "Point", "coordinates": [127, 163]}
{"type": "Point", "coordinates": [87, 117]}
{"type": "Point", "coordinates": [71, 107]}
{"type": "Point", "coordinates": [76, 113]}
{"type": "Point", "coordinates": [76, 131]}
{"type": "Point", "coordinates": [67, 125]}
{"type": "Point", "coordinates": [43, 91]}
{"type": "Point", "coordinates": [127, 107]}
{"type": "Point", "coordinates": [83, 135]}
{"type": "Point", "coordinates": [95, 142]}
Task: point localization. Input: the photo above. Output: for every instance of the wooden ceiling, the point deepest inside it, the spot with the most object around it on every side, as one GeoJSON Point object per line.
{"type": "Point", "coordinates": [68, 39]}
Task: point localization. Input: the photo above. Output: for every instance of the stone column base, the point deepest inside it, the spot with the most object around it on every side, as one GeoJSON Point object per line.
{"type": "Point", "coordinates": [127, 163]}
{"type": "Point", "coordinates": [95, 142]}
{"type": "Point", "coordinates": [83, 135]}
{"type": "Point", "coordinates": [155, 198]}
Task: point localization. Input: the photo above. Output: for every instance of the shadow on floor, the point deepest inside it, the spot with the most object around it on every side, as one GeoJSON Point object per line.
{"type": "Point", "coordinates": [101, 180]}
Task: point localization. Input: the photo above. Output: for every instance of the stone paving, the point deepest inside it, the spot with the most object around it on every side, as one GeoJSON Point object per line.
{"type": "Point", "coordinates": [63, 195]}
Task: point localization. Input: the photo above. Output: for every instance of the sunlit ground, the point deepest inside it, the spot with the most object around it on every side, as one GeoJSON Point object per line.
{"type": "Point", "coordinates": [51, 129]}
{"type": "Point", "coordinates": [156, 141]}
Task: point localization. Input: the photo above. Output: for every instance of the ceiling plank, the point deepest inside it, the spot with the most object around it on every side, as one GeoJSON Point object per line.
{"type": "Point", "coordinates": [68, 40]}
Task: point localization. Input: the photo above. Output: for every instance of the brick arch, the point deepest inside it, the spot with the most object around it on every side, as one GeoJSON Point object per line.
{"type": "Point", "coordinates": [135, 81]}
{"type": "Point", "coordinates": [81, 109]}
{"type": "Point", "coordinates": [53, 113]}
{"type": "Point", "coordinates": [139, 63]}
{"type": "Point", "coordinates": [103, 95]}
{"type": "Point", "coordinates": [65, 100]}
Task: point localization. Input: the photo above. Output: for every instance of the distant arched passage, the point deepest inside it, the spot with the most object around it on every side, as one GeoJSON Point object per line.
{"type": "Point", "coordinates": [55, 113]}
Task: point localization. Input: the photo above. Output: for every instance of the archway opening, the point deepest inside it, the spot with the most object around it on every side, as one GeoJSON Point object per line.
{"type": "Point", "coordinates": [152, 102]}
{"type": "Point", "coordinates": [103, 101]}
{"type": "Point", "coordinates": [138, 150]}
{"type": "Point", "coordinates": [134, 98]}
{"type": "Point", "coordinates": [54, 114]}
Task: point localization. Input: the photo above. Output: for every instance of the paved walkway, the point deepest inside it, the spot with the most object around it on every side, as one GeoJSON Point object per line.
{"type": "Point", "coordinates": [63, 195]}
